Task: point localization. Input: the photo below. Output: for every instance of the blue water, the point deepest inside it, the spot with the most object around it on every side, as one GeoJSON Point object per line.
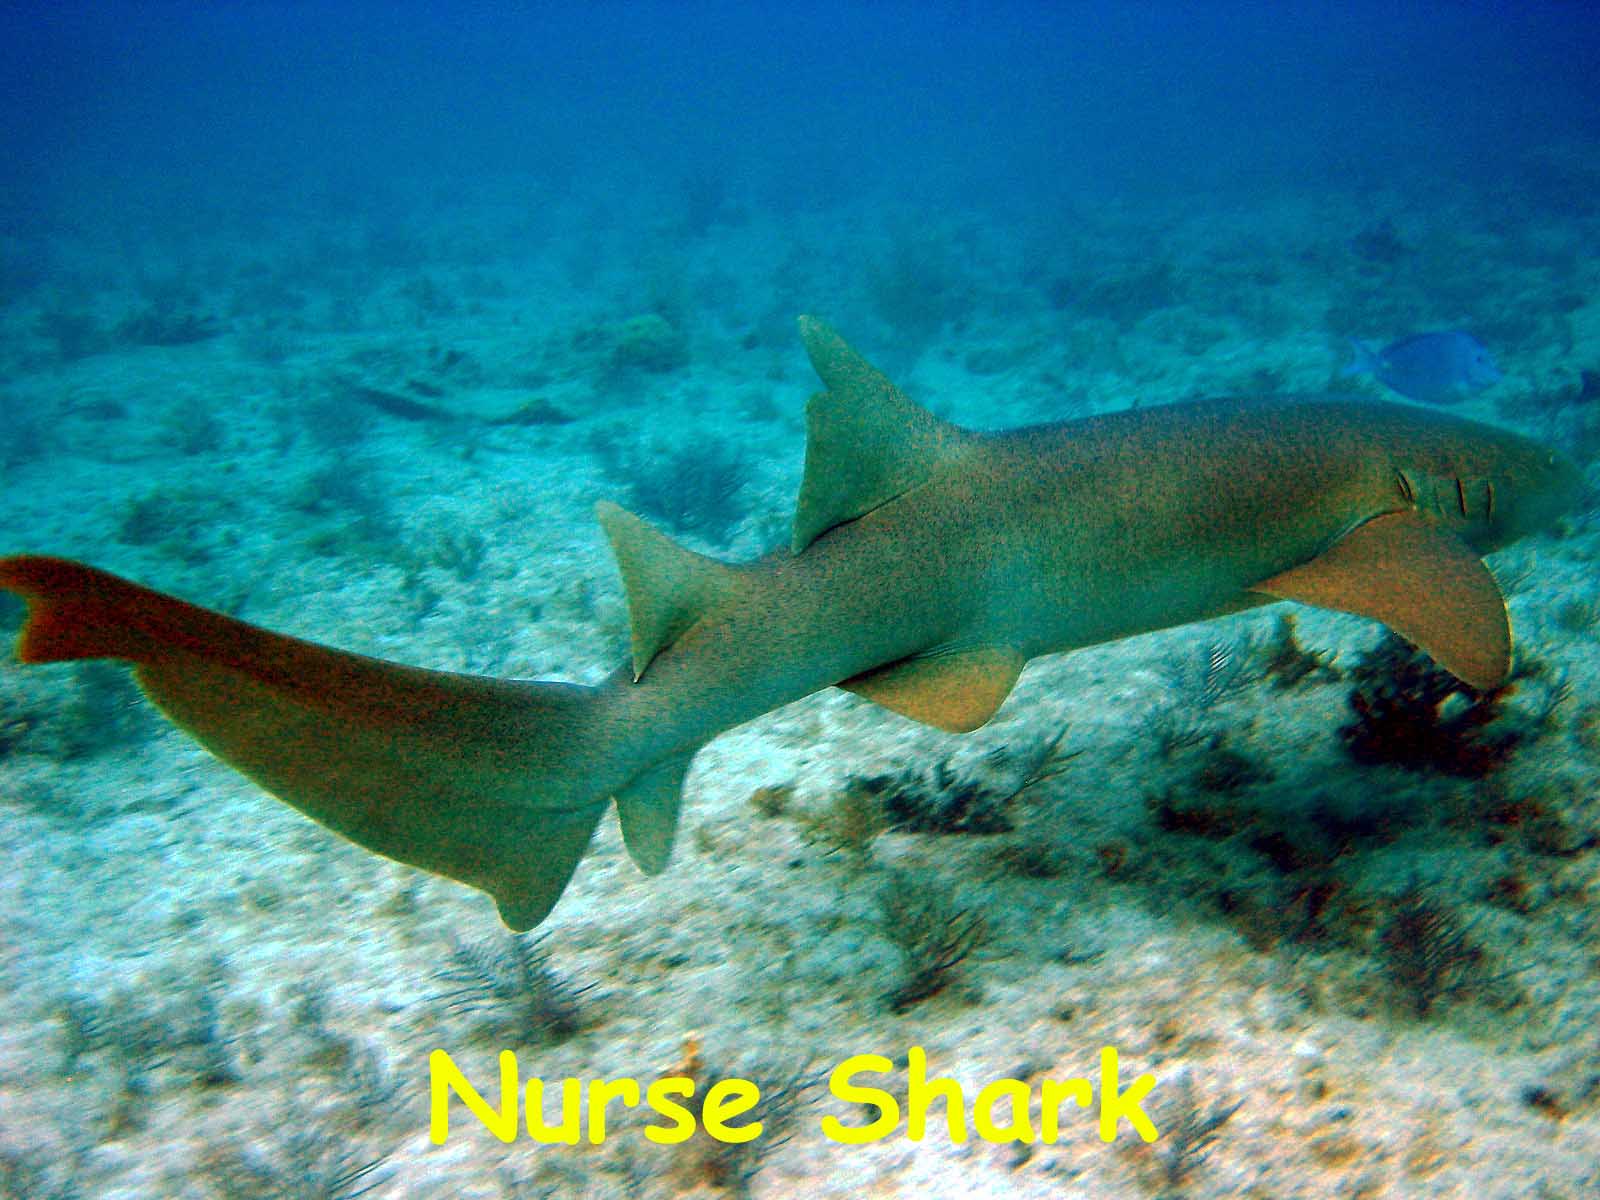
{"type": "Point", "coordinates": [341, 317]}
{"type": "Point", "coordinates": [260, 106]}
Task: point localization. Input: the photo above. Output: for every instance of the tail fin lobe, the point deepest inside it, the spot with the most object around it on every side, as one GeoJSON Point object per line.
{"type": "Point", "coordinates": [482, 780]}
{"type": "Point", "coordinates": [76, 612]}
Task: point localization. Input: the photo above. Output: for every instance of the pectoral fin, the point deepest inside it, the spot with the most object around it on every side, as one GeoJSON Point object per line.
{"type": "Point", "coordinates": [956, 691]}
{"type": "Point", "coordinates": [1419, 580]}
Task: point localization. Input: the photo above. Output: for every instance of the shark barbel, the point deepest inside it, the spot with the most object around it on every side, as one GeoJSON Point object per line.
{"type": "Point", "coordinates": [928, 564]}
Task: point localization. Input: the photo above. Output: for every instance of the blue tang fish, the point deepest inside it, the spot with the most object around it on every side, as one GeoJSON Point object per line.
{"type": "Point", "coordinates": [1436, 368]}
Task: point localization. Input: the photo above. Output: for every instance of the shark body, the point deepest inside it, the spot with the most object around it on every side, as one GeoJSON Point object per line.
{"type": "Point", "coordinates": [928, 565]}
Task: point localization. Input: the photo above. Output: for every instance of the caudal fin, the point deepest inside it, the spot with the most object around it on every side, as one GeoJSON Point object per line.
{"type": "Point", "coordinates": [469, 777]}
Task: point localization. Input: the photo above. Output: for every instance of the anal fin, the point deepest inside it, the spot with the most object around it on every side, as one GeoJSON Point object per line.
{"type": "Point", "coordinates": [647, 810]}
{"type": "Point", "coordinates": [1419, 580]}
{"type": "Point", "coordinates": [956, 690]}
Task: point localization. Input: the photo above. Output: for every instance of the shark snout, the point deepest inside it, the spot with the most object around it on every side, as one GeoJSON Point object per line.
{"type": "Point", "coordinates": [1556, 488]}
{"type": "Point", "coordinates": [1573, 485]}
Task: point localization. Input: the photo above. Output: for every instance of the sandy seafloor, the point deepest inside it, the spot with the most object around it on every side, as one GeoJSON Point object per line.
{"type": "Point", "coordinates": [205, 994]}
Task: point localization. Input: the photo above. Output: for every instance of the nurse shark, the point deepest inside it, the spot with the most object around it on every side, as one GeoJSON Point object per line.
{"type": "Point", "coordinates": [927, 565]}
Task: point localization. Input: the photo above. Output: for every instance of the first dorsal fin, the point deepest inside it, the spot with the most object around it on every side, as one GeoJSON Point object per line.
{"type": "Point", "coordinates": [866, 442]}
{"type": "Point", "coordinates": [669, 586]}
{"type": "Point", "coordinates": [1419, 580]}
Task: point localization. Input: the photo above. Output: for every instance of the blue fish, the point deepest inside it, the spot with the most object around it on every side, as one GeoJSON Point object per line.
{"type": "Point", "coordinates": [1436, 368]}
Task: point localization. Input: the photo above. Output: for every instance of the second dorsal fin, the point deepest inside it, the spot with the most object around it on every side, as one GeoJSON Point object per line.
{"type": "Point", "coordinates": [669, 587]}
{"type": "Point", "coordinates": [866, 442]}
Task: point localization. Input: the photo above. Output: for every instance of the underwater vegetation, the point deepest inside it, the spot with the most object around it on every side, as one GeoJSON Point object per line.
{"type": "Point", "coordinates": [934, 933]}
{"type": "Point", "coordinates": [1189, 1129]}
{"type": "Point", "coordinates": [1198, 685]}
{"type": "Point", "coordinates": [1428, 954]}
{"type": "Point", "coordinates": [1411, 714]}
{"type": "Point", "coordinates": [72, 333]}
{"type": "Point", "coordinates": [691, 486]}
{"type": "Point", "coordinates": [126, 1049]}
{"type": "Point", "coordinates": [159, 325]}
{"type": "Point", "coordinates": [1288, 663]}
{"type": "Point", "coordinates": [942, 804]}
{"type": "Point", "coordinates": [847, 824]}
{"type": "Point", "coordinates": [1293, 872]}
{"type": "Point", "coordinates": [76, 333]}
{"type": "Point", "coordinates": [25, 1177]}
{"type": "Point", "coordinates": [1123, 296]}
{"type": "Point", "coordinates": [647, 344]}
{"type": "Point", "coordinates": [105, 715]}
{"type": "Point", "coordinates": [308, 1164]}
{"type": "Point", "coordinates": [515, 983]}
{"type": "Point", "coordinates": [731, 1167]}
{"type": "Point", "coordinates": [922, 281]}
{"type": "Point", "coordinates": [357, 517]}
{"type": "Point", "coordinates": [1381, 244]}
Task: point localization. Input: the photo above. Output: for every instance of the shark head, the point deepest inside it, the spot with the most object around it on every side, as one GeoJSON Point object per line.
{"type": "Point", "coordinates": [1490, 487]}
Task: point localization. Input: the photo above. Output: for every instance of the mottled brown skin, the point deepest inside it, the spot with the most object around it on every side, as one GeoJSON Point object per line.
{"type": "Point", "coordinates": [1012, 544]}
{"type": "Point", "coordinates": [1061, 536]}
